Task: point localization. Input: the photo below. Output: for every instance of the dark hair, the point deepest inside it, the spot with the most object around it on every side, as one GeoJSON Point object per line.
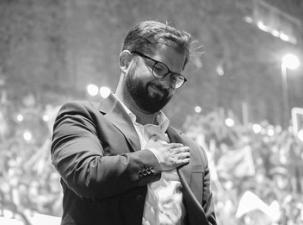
{"type": "Point", "coordinates": [146, 35]}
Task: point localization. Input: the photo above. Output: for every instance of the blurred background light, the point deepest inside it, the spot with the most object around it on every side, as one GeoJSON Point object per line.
{"type": "Point", "coordinates": [275, 33]}
{"type": "Point", "coordinates": [291, 61]}
{"type": "Point", "coordinates": [198, 109]}
{"type": "Point", "coordinates": [105, 91]}
{"type": "Point", "coordinates": [92, 89]}
{"type": "Point", "coordinates": [248, 19]}
{"type": "Point", "coordinates": [45, 117]}
{"type": "Point", "coordinates": [284, 37]}
{"type": "Point", "coordinates": [229, 122]}
{"type": "Point", "coordinates": [27, 136]}
{"type": "Point", "coordinates": [220, 70]}
{"type": "Point", "coordinates": [256, 128]}
{"type": "Point", "coordinates": [262, 26]}
{"type": "Point", "coordinates": [270, 132]}
{"type": "Point", "coordinates": [20, 118]}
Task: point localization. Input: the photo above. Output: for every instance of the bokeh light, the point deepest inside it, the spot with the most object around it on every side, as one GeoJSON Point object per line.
{"type": "Point", "coordinates": [198, 109]}
{"type": "Point", "coordinates": [229, 122]}
{"type": "Point", "coordinates": [105, 91]}
{"type": "Point", "coordinates": [291, 61]}
{"type": "Point", "coordinates": [45, 117]}
{"type": "Point", "coordinates": [20, 117]}
{"type": "Point", "coordinates": [27, 136]}
{"type": "Point", "coordinates": [256, 128]}
{"type": "Point", "coordinates": [92, 89]}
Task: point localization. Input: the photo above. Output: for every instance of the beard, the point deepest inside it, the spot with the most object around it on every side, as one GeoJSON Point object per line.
{"type": "Point", "coordinates": [151, 96]}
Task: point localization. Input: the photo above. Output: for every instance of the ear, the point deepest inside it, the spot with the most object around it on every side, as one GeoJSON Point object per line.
{"type": "Point", "coordinates": [125, 60]}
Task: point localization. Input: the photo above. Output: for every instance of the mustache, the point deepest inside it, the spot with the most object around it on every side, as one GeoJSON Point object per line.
{"type": "Point", "coordinates": [164, 90]}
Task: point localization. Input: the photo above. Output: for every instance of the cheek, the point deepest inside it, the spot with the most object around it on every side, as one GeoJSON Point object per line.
{"type": "Point", "coordinates": [141, 71]}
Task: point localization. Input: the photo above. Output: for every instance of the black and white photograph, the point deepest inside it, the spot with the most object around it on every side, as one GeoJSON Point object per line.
{"type": "Point", "coordinates": [151, 112]}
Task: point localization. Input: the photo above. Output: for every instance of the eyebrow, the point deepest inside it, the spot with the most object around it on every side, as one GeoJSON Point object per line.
{"type": "Point", "coordinates": [155, 61]}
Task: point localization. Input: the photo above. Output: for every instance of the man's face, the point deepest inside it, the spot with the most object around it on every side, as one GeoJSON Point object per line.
{"type": "Point", "coordinates": [149, 93]}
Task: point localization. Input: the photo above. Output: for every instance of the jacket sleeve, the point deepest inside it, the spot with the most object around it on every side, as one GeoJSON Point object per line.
{"type": "Point", "coordinates": [78, 155]}
{"type": "Point", "coordinates": [207, 200]}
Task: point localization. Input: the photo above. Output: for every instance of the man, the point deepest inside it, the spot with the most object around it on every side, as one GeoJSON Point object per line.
{"type": "Point", "coordinates": [122, 163]}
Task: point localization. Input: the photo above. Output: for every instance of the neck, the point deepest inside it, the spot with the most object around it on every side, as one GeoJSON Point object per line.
{"type": "Point", "coordinates": [142, 116]}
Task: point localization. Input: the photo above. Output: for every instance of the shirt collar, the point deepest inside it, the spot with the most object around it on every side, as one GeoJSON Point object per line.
{"type": "Point", "coordinates": [161, 118]}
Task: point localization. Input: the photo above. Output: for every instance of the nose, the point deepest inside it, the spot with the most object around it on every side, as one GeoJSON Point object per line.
{"type": "Point", "coordinates": [166, 83]}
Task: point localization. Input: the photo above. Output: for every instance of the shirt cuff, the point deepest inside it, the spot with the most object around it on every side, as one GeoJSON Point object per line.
{"type": "Point", "coordinates": [155, 154]}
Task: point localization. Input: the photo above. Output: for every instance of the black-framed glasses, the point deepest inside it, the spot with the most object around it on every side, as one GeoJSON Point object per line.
{"type": "Point", "coordinates": [161, 71]}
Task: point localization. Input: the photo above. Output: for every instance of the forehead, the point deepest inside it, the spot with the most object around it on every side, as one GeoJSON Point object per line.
{"type": "Point", "coordinates": [173, 58]}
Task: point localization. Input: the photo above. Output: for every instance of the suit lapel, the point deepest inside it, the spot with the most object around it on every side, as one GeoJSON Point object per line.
{"type": "Point", "coordinates": [197, 215]}
{"type": "Point", "coordinates": [184, 171]}
{"type": "Point", "coordinates": [115, 113]}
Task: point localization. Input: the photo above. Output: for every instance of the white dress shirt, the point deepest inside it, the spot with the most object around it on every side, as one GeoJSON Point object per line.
{"type": "Point", "coordinates": [163, 202]}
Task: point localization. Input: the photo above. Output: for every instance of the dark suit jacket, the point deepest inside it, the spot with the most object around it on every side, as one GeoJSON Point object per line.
{"type": "Point", "coordinates": [104, 172]}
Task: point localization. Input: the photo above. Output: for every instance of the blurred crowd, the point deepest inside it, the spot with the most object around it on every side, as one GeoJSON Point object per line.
{"type": "Point", "coordinates": [256, 169]}
{"type": "Point", "coordinates": [28, 182]}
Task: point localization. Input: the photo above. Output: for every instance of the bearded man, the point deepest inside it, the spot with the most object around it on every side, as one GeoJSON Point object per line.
{"type": "Point", "coordinates": [122, 162]}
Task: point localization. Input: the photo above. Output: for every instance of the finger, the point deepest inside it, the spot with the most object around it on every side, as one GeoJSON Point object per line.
{"type": "Point", "coordinates": [175, 145]}
{"type": "Point", "coordinates": [181, 149]}
{"type": "Point", "coordinates": [183, 155]}
{"type": "Point", "coordinates": [181, 162]}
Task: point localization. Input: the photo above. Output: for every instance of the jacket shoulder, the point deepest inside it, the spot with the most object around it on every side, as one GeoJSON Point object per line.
{"type": "Point", "coordinates": [78, 107]}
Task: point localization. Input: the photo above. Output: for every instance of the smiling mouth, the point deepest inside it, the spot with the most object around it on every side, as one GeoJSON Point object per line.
{"type": "Point", "coordinates": [155, 90]}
